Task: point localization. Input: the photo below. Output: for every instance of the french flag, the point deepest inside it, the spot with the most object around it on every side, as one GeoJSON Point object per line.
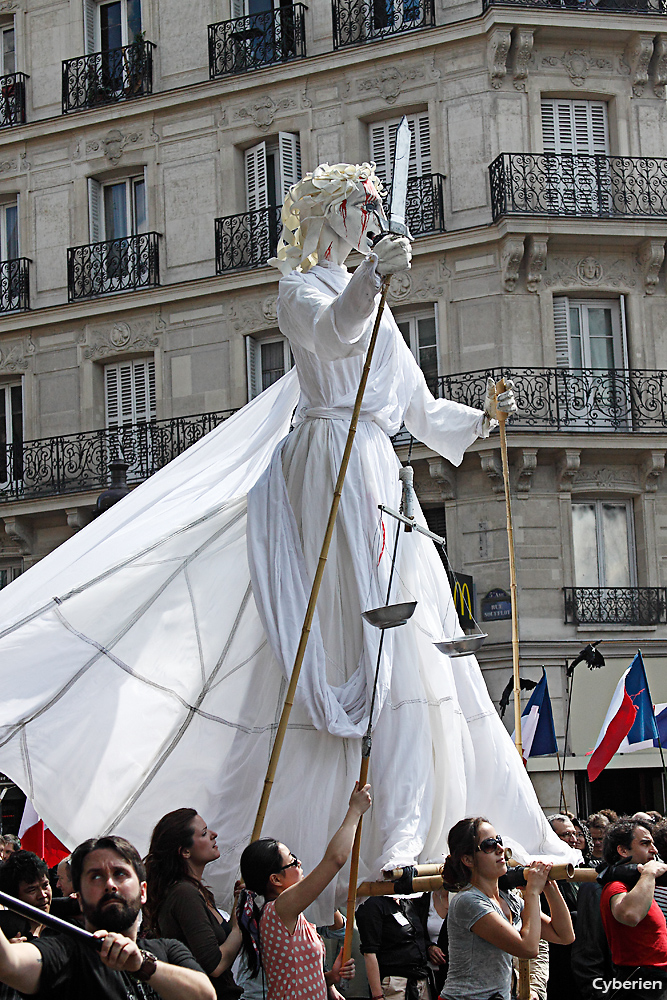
{"type": "Point", "coordinates": [35, 837]}
{"type": "Point", "coordinates": [538, 736]}
{"type": "Point", "coordinates": [630, 719]}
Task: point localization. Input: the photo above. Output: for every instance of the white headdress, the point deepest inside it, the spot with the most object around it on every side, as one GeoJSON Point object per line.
{"type": "Point", "coordinates": [307, 205]}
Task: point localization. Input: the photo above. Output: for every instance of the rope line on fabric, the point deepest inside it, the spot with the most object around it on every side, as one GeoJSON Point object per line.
{"type": "Point", "coordinates": [319, 573]}
{"type": "Point", "coordinates": [366, 746]}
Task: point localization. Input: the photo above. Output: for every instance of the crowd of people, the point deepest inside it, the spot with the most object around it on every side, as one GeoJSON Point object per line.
{"type": "Point", "coordinates": [155, 929]}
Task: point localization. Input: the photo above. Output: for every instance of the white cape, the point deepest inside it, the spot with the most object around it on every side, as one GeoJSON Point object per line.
{"type": "Point", "coordinates": [143, 663]}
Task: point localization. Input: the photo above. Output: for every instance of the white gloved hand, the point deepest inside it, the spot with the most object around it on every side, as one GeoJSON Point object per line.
{"type": "Point", "coordinates": [393, 253]}
{"type": "Point", "coordinates": [504, 402]}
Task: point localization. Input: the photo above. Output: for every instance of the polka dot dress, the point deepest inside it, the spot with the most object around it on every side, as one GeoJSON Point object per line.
{"type": "Point", "coordinates": [292, 962]}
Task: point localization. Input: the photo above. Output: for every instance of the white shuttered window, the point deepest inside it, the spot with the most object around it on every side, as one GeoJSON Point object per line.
{"type": "Point", "coordinates": [130, 392]}
{"type": "Point", "coordinates": [575, 127]}
{"type": "Point", "coordinates": [270, 171]}
{"type": "Point", "coordinates": [383, 146]}
{"type": "Point", "coordinates": [590, 333]}
{"type": "Point", "coordinates": [267, 360]}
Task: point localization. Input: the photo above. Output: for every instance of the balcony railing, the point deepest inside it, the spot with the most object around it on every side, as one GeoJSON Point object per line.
{"type": "Point", "coordinates": [358, 21]}
{"type": "Point", "coordinates": [613, 6]}
{"type": "Point", "coordinates": [247, 43]}
{"type": "Point", "coordinates": [424, 206]}
{"type": "Point", "coordinates": [114, 266]}
{"type": "Point", "coordinates": [246, 240]}
{"type": "Point", "coordinates": [12, 99]}
{"type": "Point", "coordinates": [615, 605]}
{"type": "Point", "coordinates": [108, 77]}
{"type": "Point", "coordinates": [562, 184]}
{"type": "Point", "coordinates": [572, 399]}
{"type": "Point", "coordinates": [74, 463]}
{"type": "Point", "coordinates": [14, 285]}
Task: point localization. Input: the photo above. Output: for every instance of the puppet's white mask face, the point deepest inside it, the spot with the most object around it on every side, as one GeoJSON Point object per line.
{"type": "Point", "coordinates": [357, 219]}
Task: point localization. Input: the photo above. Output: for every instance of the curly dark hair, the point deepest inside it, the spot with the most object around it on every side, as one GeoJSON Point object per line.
{"type": "Point", "coordinates": [582, 829]}
{"type": "Point", "coordinates": [620, 834]}
{"type": "Point", "coordinates": [462, 840]}
{"type": "Point", "coordinates": [165, 864]}
{"type": "Point", "coordinates": [21, 866]}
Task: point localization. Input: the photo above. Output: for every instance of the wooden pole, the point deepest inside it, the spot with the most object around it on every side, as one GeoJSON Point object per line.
{"type": "Point", "coordinates": [429, 883]}
{"type": "Point", "coordinates": [502, 417]}
{"type": "Point", "coordinates": [354, 871]}
{"type": "Point", "coordinates": [319, 573]}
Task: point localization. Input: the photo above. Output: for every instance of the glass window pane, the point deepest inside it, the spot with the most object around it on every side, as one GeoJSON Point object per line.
{"type": "Point", "coordinates": [111, 34]}
{"type": "Point", "coordinates": [3, 435]}
{"type": "Point", "coordinates": [16, 403]}
{"type": "Point", "coordinates": [426, 329]}
{"type": "Point", "coordinates": [273, 362]}
{"type": "Point", "coordinates": [115, 211]}
{"type": "Point", "coordinates": [600, 335]}
{"type": "Point", "coordinates": [575, 339]}
{"type": "Point", "coordinates": [405, 330]}
{"type": "Point", "coordinates": [614, 518]}
{"type": "Point", "coordinates": [11, 217]}
{"type": "Point", "coordinates": [140, 207]}
{"type": "Point", "coordinates": [8, 51]}
{"type": "Point", "coordinates": [133, 19]}
{"type": "Point", "coordinates": [585, 545]}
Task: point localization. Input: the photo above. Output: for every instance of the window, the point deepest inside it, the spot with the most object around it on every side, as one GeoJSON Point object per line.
{"type": "Point", "coordinates": [129, 392]}
{"type": "Point", "coordinates": [109, 26]}
{"type": "Point", "coordinates": [270, 170]}
{"type": "Point", "coordinates": [9, 231]}
{"type": "Point", "coordinates": [8, 573]}
{"type": "Point", "coordinates": [11, 432]}
{"type": "Point", "coordinates": [267, 360]}
{"type": "Point", "coordinates": [383, 146]}
{"type": "Point", "coordinates": [420, 334]}
{"type": "Point", "coordinates": [590, 333]}
{"type": "Point", "coordinates": [603, 542]}
{"type": "Point", "coordinates": [575, 127]}
{"type": "Point", "coordinates": [118, 209]}
{"type": "Point", "coordinates": [8, 51]}
{"type": "Point", "coordinates": [577, 184]}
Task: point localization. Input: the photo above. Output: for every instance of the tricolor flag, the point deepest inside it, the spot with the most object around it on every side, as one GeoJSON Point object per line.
{"type": "Point", "coordinates": [35, 837]}
{"type": "Point", "coordinates": [538, 736]}
{"type": "Point", "coordinates": [630, 715]}
{"type": "Point", "coordinates": [660, 714]}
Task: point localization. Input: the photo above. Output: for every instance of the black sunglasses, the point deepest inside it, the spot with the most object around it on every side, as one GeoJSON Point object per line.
{"type": "Point", "coordinates": [490, 844]}
{"type": "Point", "coordinates": [294, 863]}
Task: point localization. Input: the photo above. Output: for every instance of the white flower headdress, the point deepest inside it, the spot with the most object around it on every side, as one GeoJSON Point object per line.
{"type": "Point", "coordinates": [307, 205]}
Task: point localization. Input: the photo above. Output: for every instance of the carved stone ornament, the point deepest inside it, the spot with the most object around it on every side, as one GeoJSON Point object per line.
{"type": "Point", "coordinates": [417, 284]}
{"type": "Point", "coordinates": [567, 468]}
{"type": "Point", "coordinates": [113, 143]}
{"type": "Point", "coordinates": [651, 254]}
{"type": "Point", "coordinates": [526, 463]}
{"type": "Point", "coordinates": [638, 56]}
{"type": "Point", "coordinates": [250, 314]}
{"type": "Point", "coordinates": [21, 532]}
{"type": "Point", "coordinates": [16, 357]}
{"type": "Point", "coordinates": [497, 50]}
{"type": "Point", "coordinates": [604, 271]}
{"type": "Point", "coordinates": [511, 256]}
{"type": "Point", "coordinates": [660, 67]}
{"type": "Point", "coordinates": [536, 261]}
{"type": "Point", "coordinates": [578, 63]}
{"type": "Point", "coordinates": [7, 166]}
{"type": "Point", "coordinates": [264, 111]}
{"type": "Point", "coordinates": [79, 517]}
{"type": "Point", "coordinates": [270, 309]}
{"type": "Point", "coordinates": [390, 81]}
{"type": "Point", "coordinates": [652, 468]}
{"type": "Point", "coordinates": [120, 338]}
{"type": "Point", "coordinates": [614, 478]}
{"type": "Point", "coordinates": [523, 47]}
{"type": "Point", "coordinates": [444, 474]}
{"type": "Point", "coordinates": [492, 466]}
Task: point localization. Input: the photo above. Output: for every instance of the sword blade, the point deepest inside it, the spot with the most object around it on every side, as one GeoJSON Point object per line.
{"type": "Point", "coordinates": [399, 179]}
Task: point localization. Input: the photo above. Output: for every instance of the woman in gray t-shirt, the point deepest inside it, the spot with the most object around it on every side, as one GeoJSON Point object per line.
{"type": "Point", "coordinates": [487, 926]}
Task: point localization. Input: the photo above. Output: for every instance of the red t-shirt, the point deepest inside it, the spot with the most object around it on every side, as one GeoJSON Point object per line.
{"type": "Point", "coordinates": [645, 944]}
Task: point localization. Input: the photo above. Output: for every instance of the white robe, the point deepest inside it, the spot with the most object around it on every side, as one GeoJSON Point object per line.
{"type": "Point", "coordinates": [134, 662]}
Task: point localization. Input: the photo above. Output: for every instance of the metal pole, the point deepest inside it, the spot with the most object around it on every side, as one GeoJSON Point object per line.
{"type": "Point", "coordinates": [319, 573]}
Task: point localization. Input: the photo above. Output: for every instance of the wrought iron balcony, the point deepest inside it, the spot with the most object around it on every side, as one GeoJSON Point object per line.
{"type": "Point", "coordinates": [615, 605]}
{"type": "Point", "coordinates": [114, 266]}
{"type": "Point", "coordinates": [424, 207]}
{"type": "Point", "coordinates": [14, 285]}
{"type": "Point", "coordinates": [247, 43]}
{"type": "Point", "coordinates": [562, 184]}
{"type": "Point", "coordinates": [246, 240]}
{"type": "Point", "coordinates": [12, 99]}
{"type": "Point", "coordinates": [610, 6]}
{"type": "Point", "coordinates": [572, 399]}
{"type": "Point", "coordinates": [108, 77]}
{"type": "Point", "coordinates": [75, 463]}
{"type": "Point", "coordinates": [356, 22]}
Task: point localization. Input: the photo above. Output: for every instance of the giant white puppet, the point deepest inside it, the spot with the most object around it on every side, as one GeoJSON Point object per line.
{"type": "Point", "coordinates": [143, 664]}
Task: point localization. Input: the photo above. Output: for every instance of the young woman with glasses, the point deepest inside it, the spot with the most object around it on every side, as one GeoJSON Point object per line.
{"type": "Point", "coordinates": [278, 940]}
{"type": "Point", "coordinates": [180, 906]}
{"type": "Point", "coordinates": [486, 925]}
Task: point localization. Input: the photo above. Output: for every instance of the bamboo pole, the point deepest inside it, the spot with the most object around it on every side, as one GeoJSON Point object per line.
{"type": "Point", "coordinates": [354, 871]}
{"type": "Point", "coordinates": [429, 883]}
{"type": "Point", "coordinates": [319, 573]}
{"type": "Point", "coordinates": [502, 417]}
{"type": "Point", "coordinates": [422, 870]}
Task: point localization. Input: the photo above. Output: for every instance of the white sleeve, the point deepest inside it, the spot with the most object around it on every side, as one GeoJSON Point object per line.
{"type": "Point", "coordinates": [331, 328]}
{"type": "Point", "coordinates": [441, 424]}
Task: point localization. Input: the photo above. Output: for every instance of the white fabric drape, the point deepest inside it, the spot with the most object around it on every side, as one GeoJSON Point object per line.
{"type": "Point", "coordinates": [144, 662]}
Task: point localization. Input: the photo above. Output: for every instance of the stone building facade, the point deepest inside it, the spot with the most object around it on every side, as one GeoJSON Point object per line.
{"type": "Point", "coordinates": [145, 146]}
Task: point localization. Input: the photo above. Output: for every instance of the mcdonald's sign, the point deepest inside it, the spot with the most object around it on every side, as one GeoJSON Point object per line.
{"type": "Point", "coordinates": [464, 598]}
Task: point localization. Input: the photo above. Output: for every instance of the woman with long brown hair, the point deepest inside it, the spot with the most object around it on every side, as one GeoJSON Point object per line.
{"type": "Point", "coordinates": [486, 926]}
{"type": "Point", "coordinates": [181, 906]}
